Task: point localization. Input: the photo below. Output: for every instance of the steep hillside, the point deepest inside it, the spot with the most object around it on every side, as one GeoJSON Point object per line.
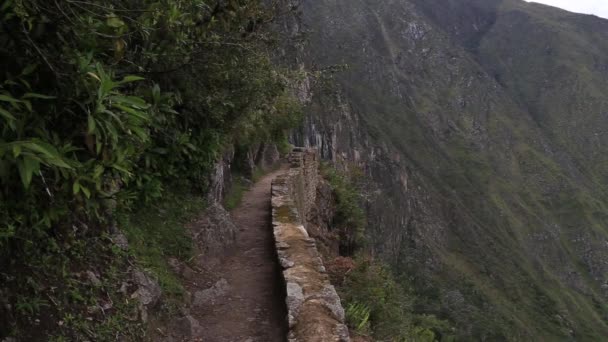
{"type": "Point", "coordinates": [480, 126]}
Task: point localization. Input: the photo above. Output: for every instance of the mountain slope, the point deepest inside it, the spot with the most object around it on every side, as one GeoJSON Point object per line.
{"type": "Point", "coordinates": [480, 126]}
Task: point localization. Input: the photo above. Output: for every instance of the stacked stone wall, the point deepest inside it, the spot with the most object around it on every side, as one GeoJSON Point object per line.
{"type": "Point", "coordinates": [315, 313]}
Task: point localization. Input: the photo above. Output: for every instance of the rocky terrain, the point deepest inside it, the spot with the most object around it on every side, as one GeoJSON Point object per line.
{"type": "Point", "coordinates": [480, 128]}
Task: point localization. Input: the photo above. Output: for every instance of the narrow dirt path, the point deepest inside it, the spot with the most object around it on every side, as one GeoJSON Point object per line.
{"type": "Point", "coordinates": [252, 307]}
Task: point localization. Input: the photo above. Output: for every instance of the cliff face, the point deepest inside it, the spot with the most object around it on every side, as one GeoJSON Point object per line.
{"type": "Point", "coordinates": [480, 126]}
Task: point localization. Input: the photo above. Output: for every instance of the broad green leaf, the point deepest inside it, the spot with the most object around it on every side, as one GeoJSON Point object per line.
{"type": "Point", "coordinates": [98, 171]}
{"type": "Point", "coordinates": [32, 156]}
{"type": "Point", "coordinates": [16, 151]}
{"type": "Point", "coordinates": [27, 167]}
{"type": "Point", "coordinates": [134, 112]}
{"type": "Point", "coordinates": [42, 147]}
{"type": "Point", "coordinates": [59, 162]}
{"type": "Point", "coordinates": [5, 114]}
{"type": "Point", "coordinates": [75, 187]}
{"type": "Point", "coordinates": [86, 191]}
{"type": "Point", "coordinates": [141, 133]}
{"type": "Point", "coordinates": [25, 83]}
{"type": "Point", "coordinates": [32, 165]}
{"type": "Point", "coordinates": [131, 78]}
{"type": "Point", "coordinates": [113, 132]}
{"type": "Point", "coordinates": [37, 96]}
{"type": "Point", "coordinates": [115, 117]}
{"type": "Point", "coordinates": [27, 104]}
{"type": "Point", "coordinates": [120, 168]}
{"type": "Point", "coordinates": [91, 124]}
{"type": "Point", "coordinates": [7, 98]}
{"type": "Point", "coordinates": [106, 86]}
{"type": "Point", "coordinates": [170, 111]}
{"type": "Point", "coordinates": [131, 100]}
{"type": "Point", "coordinates": [115, 22]}
{"type": "Point", "coordinates": [94, 76]}
{"type": "Point", "coordinates": [25, 180]}
{"type": "Point", "coordinates": [29, 69]}
{"type": "Point", "coordinates": [51, 154]}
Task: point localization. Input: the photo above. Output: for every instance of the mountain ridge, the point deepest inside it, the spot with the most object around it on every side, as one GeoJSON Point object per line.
{"type": "Point", "coordinates": [496, 216]}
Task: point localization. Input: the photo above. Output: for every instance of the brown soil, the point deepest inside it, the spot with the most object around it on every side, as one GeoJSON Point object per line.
{"type": "Point", "coordinates": [253, 309]}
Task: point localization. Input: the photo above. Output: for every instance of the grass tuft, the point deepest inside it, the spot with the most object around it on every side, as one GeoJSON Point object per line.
{"type": "Point", "coordinates": [235, 195]}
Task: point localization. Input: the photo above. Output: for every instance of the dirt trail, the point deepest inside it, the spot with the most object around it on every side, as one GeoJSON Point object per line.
{"type": "Point", "coordinates": [251, 308]}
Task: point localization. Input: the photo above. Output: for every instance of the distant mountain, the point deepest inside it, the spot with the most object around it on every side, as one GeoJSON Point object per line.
{"type": "Point", "coordinates": [482, 126]}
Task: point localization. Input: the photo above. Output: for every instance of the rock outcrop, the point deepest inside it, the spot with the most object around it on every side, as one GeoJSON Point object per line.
{"type": "Point", "coordinates": [262, 157]}
{"type": "Point", "coordinates": [214, 231]}
{"type": "Point", "coordinates": [315, 312]}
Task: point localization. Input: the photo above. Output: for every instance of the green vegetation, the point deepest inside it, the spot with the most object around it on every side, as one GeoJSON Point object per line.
{"type": "Point", "coordinates": [235, 194]}
{"type": "Point", "coordinates": [158, 232]}
{"type": "Point", "coordinates": [379, 305]}
{"type": "Point", "coordinates": [357, 317]}
{"type": "Point", "coordinates": [78, 291]}
{"type": "Point", "coordinates": [349, 218]}
{"type": "Point", "coordinates": [376, 304]}
{"type": "Point", "coordinates": [486, 155]}
{"type": "Point", "coordinates": [105, 104]}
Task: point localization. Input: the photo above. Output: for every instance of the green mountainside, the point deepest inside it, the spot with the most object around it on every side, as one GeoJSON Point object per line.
{"type": "Point", "coordinates": [473, 133]}
{"type": "Point", "coordinates": [481, 126]}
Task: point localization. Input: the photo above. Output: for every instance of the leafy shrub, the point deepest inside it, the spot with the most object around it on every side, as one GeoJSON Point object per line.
{"type": "Point", "coordinates": [349, 217]}
{"type": "Point", "coordinates": [357, 317]}
{"type": "Point", "coordinates": [105, 104]}
{"type": "Point", "coordinates": [372, 286]}
{"type": "Point", "coordinates": [377, 304]}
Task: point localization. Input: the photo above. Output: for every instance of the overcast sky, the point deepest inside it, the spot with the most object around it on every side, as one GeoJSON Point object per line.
{"type": "Point", "coordinates": [597, 7]}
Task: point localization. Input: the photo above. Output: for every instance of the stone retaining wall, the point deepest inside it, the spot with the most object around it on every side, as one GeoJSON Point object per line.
{"type": "Point", "coordinates": [314, 310]}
